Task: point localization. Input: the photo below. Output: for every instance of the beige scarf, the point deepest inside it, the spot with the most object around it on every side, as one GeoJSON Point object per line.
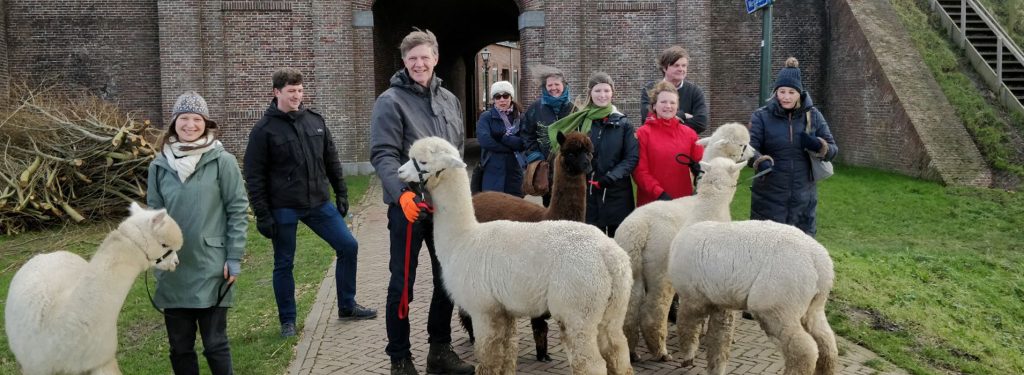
{"type": "Point", "coordinates": [184, 162]}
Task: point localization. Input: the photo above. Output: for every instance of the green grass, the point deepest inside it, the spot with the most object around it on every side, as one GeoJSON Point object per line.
{"type": "Point", "coordinates": [253, 329]}
{"type": "Point", "coordinates": [929, 277]}
{"type": "Point", "coordinates": [982, 118]}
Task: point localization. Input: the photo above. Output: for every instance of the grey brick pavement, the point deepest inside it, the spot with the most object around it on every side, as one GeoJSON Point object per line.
{"type": "Point", "coordinates": [330, 346]}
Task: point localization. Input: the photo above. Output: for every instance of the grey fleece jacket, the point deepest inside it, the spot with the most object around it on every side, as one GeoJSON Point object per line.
{"type": "Point", "coordinates": [403, 114]}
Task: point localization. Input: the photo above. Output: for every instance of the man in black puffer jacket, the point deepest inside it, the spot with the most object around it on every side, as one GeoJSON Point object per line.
{"type": "Point", "coordinates": [290, 163]}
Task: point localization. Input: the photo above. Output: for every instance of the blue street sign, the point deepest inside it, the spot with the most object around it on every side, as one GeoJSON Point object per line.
{"type": "Point", "coordinates": [754, 5]}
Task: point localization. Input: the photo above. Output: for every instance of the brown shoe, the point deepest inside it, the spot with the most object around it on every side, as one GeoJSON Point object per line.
{"type": "Point", "coordinates": [441, 359]}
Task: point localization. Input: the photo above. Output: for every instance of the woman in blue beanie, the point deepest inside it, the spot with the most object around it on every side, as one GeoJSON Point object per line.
{"type": "Point", "coordinates": [784, 146]}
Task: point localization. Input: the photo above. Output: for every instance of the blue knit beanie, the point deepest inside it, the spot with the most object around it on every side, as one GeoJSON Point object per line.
{"type": "Point", "coordinates": [790, 76]}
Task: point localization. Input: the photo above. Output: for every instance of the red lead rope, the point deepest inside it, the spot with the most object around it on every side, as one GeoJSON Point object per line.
{"type": "Point", "coordinates": [403, 303]}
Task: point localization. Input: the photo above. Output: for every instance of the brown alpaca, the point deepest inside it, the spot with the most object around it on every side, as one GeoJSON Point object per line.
{"type": "Point", "coordinates": [568, 202]}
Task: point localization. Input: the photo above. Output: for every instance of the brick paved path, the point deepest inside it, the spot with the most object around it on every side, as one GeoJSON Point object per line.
{"type": "Point", "coordinates": [330, 346]}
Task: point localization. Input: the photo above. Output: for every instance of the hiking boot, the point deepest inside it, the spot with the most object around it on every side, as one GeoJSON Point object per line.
{"type": "Point", "coordinates": [357, 312]}
{"type": "Point", "coordinates": [287, 329]}
{"type": "Point", "coordinates": [403, 366]}
{"type": "Point", "coordinates": [441, 359]}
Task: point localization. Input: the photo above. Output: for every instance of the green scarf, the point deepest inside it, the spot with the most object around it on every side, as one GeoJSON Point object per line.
{"type": "Point", "coordinates": [579, 120]}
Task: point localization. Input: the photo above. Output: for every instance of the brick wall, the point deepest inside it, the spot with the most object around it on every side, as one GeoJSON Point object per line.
{"type": "Point", "coordinates": [109, 47]}
{"type": "Point", "coordinates": [798, 30]}
{"type": "Point", "coordinates": [143, 54]}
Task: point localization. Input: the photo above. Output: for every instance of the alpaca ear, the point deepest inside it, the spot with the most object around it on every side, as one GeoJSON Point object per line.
{"type": "Point", "coordinates": [561, 138]}
{"type": "Point", "coordinates": [158, 219]}
{"type": "Point", "coordinates": [454, 162]}
{"type": "Point", "coordinates": [705, 166]}
{"type": "Point", "coordinates": [704, 141]}
{"type": "Point", "coordinates": [135, 208]}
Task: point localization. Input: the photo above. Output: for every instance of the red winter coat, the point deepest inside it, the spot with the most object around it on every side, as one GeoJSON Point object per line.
{"type": "Point", "coordinates": [660, 141]}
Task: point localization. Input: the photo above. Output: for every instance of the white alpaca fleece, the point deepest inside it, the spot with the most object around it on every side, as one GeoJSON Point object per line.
{"type": "Point", "coordinates": [496, 273]}
{"type": "Point", "coordinates": [775, 271]}
{"type": "Point", "coordinates": [61, 311]}
{"type": "Point", "coordinates": [731, 140]}
{"type": "Point", "coordinates": [646, 235]}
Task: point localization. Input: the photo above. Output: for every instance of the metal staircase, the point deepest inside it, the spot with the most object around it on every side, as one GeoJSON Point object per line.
{"type": "Point", "coordinates": [991, 51]}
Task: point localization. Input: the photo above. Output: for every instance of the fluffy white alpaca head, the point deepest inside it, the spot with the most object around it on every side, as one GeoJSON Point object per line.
{"type": "Point", "coordinates": [731, 141]}
{"type": "Point", "coordinates": [719, 174]}
{"type": "Point", "coordinates": [155, 234]}
{"type": "Point", "coordinates": [428, 157]}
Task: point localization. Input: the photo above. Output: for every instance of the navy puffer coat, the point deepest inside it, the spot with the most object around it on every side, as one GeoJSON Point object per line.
{"type": "Point", "coordinates": [787, 194]}
{"type": "Point", "coordinates": [616, 153]}
{"type": "Point", "coordinates": [501, 155]}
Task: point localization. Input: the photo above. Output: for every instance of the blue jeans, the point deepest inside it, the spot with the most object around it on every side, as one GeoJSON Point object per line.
{"type": "Point", "coordinates": [327, 223]}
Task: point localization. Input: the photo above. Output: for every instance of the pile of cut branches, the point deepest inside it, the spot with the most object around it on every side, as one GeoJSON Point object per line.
{"type": "Point", "coordinates": [68, 157]}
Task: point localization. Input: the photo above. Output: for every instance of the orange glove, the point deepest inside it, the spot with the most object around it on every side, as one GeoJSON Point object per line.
{"type": "Point", "coordinates": [411, 206]}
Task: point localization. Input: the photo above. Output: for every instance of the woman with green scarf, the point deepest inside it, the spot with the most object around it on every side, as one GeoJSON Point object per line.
{"type": "Point", "coordinates": [616, 153]}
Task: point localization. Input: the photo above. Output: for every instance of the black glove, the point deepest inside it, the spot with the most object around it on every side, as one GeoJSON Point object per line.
{"type": "Point", "coordinates": [764, 164]}
{"type": "Point", "coordinates": [498, 136]}
{"type": "Point", "coordinates": [810, 142]}
{"type": "Point", "coordinates": [342, 204]}
{"type": "Point", "coordinates": [266, 227]}
{"type": "Point", "coordinates": [664, 197]}
{"type": "Point", "coordinates": [604, 182]}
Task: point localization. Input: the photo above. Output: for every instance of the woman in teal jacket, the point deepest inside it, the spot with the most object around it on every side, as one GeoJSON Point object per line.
{"type": "Point", "coordinates": [201, 187]}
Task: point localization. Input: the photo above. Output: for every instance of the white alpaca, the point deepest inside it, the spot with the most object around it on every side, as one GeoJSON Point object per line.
{"type": "Point", "coordinates": [501, 270]}
{"type": "Point", "coordinates": [775, 271]}
{"type": "Point", "coordinates": [61, 314]}
{"type": "Point", "coordinates": [646, 235]}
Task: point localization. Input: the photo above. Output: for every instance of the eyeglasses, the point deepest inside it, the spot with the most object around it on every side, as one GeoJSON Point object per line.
{"type": "Point", "coordinates": [502, 96]}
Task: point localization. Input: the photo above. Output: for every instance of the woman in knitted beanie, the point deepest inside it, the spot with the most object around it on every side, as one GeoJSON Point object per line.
{"type": "Point", "coordinates": [785, 134]}
{"type": "Point", "coordinates": [499, 131]}
{"type": "Point", "coordinates": [616, 152]}
{"type": "Point", "coordinates": [200, 185]}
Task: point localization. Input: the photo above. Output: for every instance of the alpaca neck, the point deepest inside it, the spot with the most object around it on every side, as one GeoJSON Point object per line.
{"type": "Point", "coordinates": [568, 194]}
{"type": "Point", "coordinates": [453, 205]}
{"type": "Point", "coordinates": [110, 276]}
{"type": "Point", "coordinates": [714, 204]}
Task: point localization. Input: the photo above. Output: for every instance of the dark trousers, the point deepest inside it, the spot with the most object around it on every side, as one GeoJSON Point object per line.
{"type": "Point", "coordinates": [181, 333]}
{"type": "Point", "coordinates": [327, 223]}
{"type": "Point", "coordinates": [439, 319]}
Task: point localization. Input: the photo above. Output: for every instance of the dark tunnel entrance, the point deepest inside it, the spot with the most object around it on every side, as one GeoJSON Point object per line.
{"type": "Point", "coordinates": [463, 29]}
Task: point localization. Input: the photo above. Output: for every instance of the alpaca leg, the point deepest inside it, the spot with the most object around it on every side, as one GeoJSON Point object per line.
{"type": "Point", "coordinates": [467, 324]}
{"type": "Point", "coordinates": [631, 327]}
{"type": "Point", "coordinates": [109, 368]}
{"type": "Point", "coordinates": [688, 325]}
{"type": "Point", "coordinates": [540, 337]}
{"type": "Point", "coordinates": [580, 340]}
{"type": "Point", "coordinates": [797, 346]}
{"type": "Point", "coordinates": [719, 340]}
{"type": "Point", "coordinates": [506, 328]}
{"type": "Point", "coordinates": [613, 347]}
{"type": "Point", "coordinates": [494, 334]}
{"type": "Point", "coordinates": [654, 317]}
{"type": "Point", "coordinates": [817, 325]}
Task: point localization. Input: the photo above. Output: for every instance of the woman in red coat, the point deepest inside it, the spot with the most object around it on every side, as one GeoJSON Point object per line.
{"type": "Point", "coordinates": [658, 176]}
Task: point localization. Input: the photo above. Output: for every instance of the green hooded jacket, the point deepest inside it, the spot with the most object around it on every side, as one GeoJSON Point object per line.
{"type": "Point", "coordinates": [211, 209]}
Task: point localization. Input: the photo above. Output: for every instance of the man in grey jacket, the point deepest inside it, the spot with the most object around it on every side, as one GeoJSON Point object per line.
{"type": "Point", "coordinates": [415, 106]}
